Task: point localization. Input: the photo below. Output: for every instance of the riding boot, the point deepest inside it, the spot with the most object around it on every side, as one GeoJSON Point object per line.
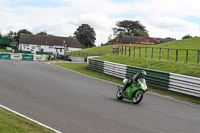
{"type": "Point", "coordinates": [124, 89]}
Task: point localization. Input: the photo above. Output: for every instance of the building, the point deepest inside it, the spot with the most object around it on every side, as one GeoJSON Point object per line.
{"type": "Point", "coordinates": [47, 43]}
{"type": "Point", "coordinates": [139, 40]}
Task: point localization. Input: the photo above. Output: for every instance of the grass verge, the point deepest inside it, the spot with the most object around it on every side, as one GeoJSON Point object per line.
{"type": "Point", "coordinates": [166, 66]}
{"type": "Point", "coordinates": [13, 123]}
{"type": "Point", "coordinates": [3, 50]}
{"type": "Point", "coordinates": [83, 68]}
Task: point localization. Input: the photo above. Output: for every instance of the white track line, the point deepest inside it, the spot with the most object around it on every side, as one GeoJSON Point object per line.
{"type": "Point", "coordinates": [30, 119]}
{"type": "Point", "coordinates": [152, 93]}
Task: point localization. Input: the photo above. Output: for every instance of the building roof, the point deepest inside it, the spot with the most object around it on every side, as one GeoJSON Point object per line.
{"type": "Point", "coordinates": [49, 40]}
{"type": "Point", "coordinates": [162, 40]}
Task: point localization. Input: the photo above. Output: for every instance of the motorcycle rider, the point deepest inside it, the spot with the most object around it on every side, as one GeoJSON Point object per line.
{"type": "Point", "coordinates": [134, 79]}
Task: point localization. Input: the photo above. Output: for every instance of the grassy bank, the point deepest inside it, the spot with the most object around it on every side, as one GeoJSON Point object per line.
{"type": "Point", "coordinates": [193, 43]}
{"type": "Point", "coordinates": [180, 67]}
{"type": "Point", "coordinates": [12, 123]}
{"type": "Point", "coordinates": [83, 68]}
{"type": "Point", "coordinates": [167, 66]}
{"type": "Point", "coordinates": [3, 50]}
{"type": "Point", "coordinates": [92, 51]}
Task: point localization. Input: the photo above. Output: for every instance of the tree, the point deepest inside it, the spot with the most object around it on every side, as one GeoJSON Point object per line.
{"type": "Point", "coordinates": [11, 36]}
{"type": "Point", "coordinates": [1, 36]}
{"type": "Point", "coordinates": [42, 33]}
{"type": "Point", "coordinates": [85, 35]}
{"type": "Point", "coordinates": [141, 33]}
{"type": "Point", "coordinates": [186, 37]}
{"type": "Point", "coordinates": [130, 27]}
{"type": "Point", "coordinates": [120, 36]}
{"type": "Point", "coordinates": [24, 31]}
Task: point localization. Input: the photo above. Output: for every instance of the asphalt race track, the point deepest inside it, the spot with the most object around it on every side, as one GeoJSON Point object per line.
{"type": "Point", "coordinates": [74, 103]}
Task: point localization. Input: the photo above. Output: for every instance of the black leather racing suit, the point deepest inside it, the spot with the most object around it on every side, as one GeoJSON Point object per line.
{"type": "Point", "coordinates": [131, 80]}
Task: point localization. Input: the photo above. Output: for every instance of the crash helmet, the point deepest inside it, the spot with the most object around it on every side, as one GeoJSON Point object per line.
{"type": "Point", "coordinates": [143, 73]}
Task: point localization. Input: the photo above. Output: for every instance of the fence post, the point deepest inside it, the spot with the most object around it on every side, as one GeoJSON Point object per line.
{"type": "Point", "coordinates": [139, 52]}
{"type": "Point", "coordinates": [168, 54]}
{"type": "Point", "coordinates": [145, 52]}
{"type": "Point", "coordinates": [129, 51]}
{"type": "Point", "coordinates": [152, 54]}
{"type": "Point", "coordinates": [186, 56]}
{"type": "Point", "coordinates": [122, 50]}
{"type": "Point", "coordinates": [125, 50]}
{"type": "Point", "coordinates": [198, 56]}
{"type": "Point", "coordinates": [176, 55]}
{"type": "Point", "coordinates": [118, 51]}
{"type": "Point", "coordinates": [160, 54]}
{"type": "Point", "coordinates": [134, 51]}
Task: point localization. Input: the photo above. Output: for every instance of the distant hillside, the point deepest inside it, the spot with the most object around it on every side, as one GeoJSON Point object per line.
{"type": "Point", "coordinates": [192, 43]}
{"type": "Point", "coordinates": [95, 51]}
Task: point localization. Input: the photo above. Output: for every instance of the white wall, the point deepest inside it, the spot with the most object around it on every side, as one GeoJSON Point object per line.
{"type": "Point", "coordinates": [71, 49]}
{"type": "Point", "coordinates": [34, 48]}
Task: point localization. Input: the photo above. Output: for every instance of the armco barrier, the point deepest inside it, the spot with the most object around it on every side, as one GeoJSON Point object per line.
{"type": "Point", "coordinates": [5, 55]}
{"type": "Point", "coordinates": [20, 56]}
{"type": "Point", "coordinates": [169, 81]}
{"type": "Point", "coordinates": [39, 57]}
{"type": "Point", "coordinates": [27, 57]}
{"type": "Point", "coordinates": [16, 56]}
{"type": "Point", "coordinates": [96, 65]}
{"type": "Point", "coordinates": [114, 69]}
{"type": "Point", "coordinates": [154, 78]}
{"type": "Point", "coordinates": [184, 84]}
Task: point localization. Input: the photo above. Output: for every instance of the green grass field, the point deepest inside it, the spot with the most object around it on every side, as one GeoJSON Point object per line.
{"type": "Point", "coordinates": [180, 67]}
{"type": "Point", "coordinates": [193, 43]}
{"type": "Point", "coordinates": [12, 123]}
{"type": "Point", "coordinates": [161, 54]}
{"type": "Point", "coordinates": [93, 51]}
{"type": "Point", "coordinates": [167, 66]}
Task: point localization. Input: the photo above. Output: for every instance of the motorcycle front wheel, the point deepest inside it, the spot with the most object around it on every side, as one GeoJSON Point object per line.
{"type": "Point", "coordinates": [137, 98]}
{"type": "Point", "coordinates": [119, 95]}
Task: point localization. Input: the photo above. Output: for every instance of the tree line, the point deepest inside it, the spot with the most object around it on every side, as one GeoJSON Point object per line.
{"type": "Point", "coordinates": [86, 35]}
{"type": "Point", "coordinates": [14, 36]}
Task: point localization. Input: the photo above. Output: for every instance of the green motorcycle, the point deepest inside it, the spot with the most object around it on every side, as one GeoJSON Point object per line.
{"type": "Point", "coordinates": [134, 92]}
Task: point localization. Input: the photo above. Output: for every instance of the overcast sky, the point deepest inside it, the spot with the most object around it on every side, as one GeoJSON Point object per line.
{"type": "Point", "coordinates": [162, 18]}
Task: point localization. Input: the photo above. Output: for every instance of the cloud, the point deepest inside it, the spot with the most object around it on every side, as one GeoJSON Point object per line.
{"type": "Point", "coordinates": [162, 18]}
{"type": "Point", "coordinates": [179, 8]}
{"type": "Point", "coordinates": [168, 22]}
{"type": "Point", "coordinates": [99, 6]}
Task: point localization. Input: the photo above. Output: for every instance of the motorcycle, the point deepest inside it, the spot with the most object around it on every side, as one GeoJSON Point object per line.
{"type": "Point", "coordinates": [134, 92]}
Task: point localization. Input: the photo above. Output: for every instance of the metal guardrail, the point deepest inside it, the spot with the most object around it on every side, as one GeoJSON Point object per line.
{"type": "Point", "coordinates": [184, 84]}
{"type": "Point", "coordinates": [21, 56]}
{"type": "Point", "coordinates": [169, 81]}
{"type": "Point", "coordinates": [115, 69]}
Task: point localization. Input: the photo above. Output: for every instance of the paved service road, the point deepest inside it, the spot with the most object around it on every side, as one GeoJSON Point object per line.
{"type": "Point", "coordinates": [75, 103]}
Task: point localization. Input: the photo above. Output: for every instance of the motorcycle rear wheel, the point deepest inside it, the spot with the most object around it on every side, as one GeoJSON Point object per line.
{"type": "Point", "coordinates": [119, 95]}
{"type": "Point", "coordinates": [137, 98]}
